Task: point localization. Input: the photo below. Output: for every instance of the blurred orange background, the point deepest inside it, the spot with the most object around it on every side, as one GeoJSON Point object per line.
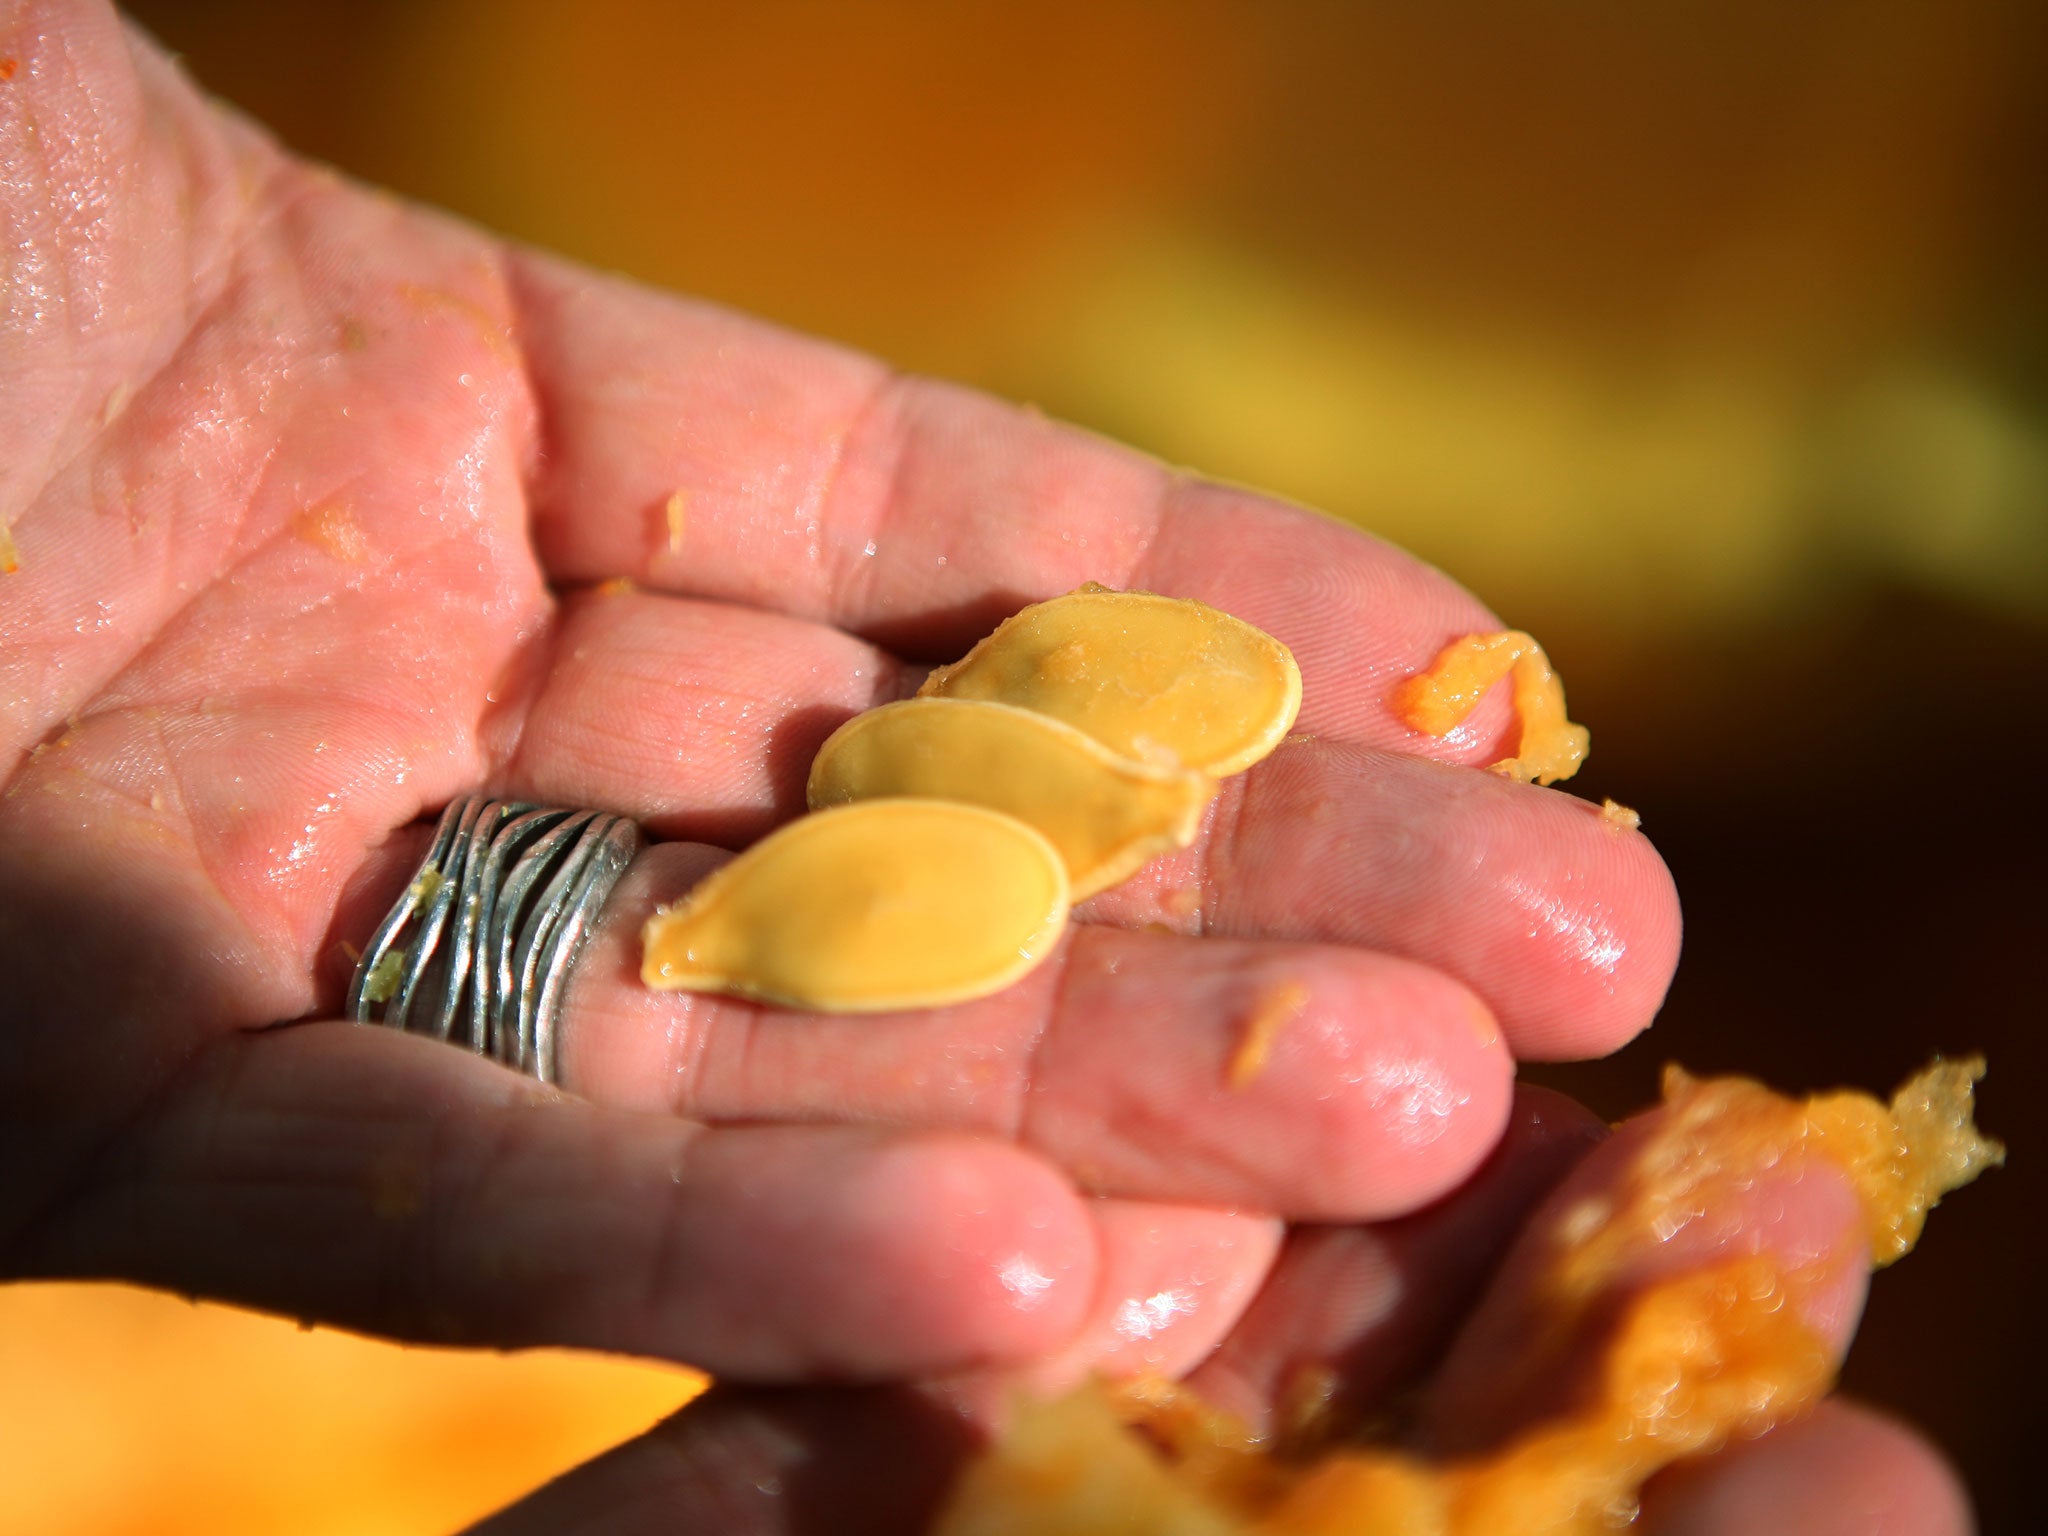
{"type": "Point", "coordinates": [1710, 343]}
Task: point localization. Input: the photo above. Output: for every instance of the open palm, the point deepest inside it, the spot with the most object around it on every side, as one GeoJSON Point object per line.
{"type": "Point", "coordinates": [329, 510]}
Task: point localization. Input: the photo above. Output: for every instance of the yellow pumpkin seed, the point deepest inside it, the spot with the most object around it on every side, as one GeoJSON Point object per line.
{"type": "Point", "coordinates": [1105, 814]}
{"type": "Point", "coordinates": [1162, 680]}
{"type": "Point", "coordinates": [866, 908]}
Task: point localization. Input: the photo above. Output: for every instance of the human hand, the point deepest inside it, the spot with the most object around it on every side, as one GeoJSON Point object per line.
{"type": "Point", "coordinates": [1435, 1331]}
{"type": "Point", "coordinates": [317, 499]}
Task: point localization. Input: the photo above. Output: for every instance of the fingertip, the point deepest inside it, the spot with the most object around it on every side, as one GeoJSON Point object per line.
{"type": "Point", "coordinates": [1600, 969]}
{"type": "Point", "coordinates": [998, 1265]}
{"type": "Point", "coordinates": [1418, 1102]}
{"type": "Point", "coordinates": [1174, 1281]}
{"type": "Point", "coordinates": [1801, 1211]}
{"type": "Point", "coordinates": [1643, 978]}
{"type": "Point", "coordinates": [1544, 1117]}
{"type": "Point", "coordinates": [848, 1254]}
{"type": "Point", "coordinates": [1568, 928]}
{"type": "Point", "coordinates": [1546, 1136]}
{"type": "Point", "coordinates": [1393, 1085]}
{"type": "Point", "coordinates": [1323, 1083]}
{"type": "Point", "coordinates": [1655, 1203]}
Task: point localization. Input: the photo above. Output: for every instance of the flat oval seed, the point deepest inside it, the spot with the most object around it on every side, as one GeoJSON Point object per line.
{"type": "Point", "coordinates": [867, 908]}
{"type": "Point", "coordinates": [1105, 814]}
{"type": "Point", "coordinates": [1163, 680]}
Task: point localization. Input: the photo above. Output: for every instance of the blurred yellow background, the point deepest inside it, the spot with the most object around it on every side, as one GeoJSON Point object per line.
{"type": "Point", "coordinates": [1710, 342]}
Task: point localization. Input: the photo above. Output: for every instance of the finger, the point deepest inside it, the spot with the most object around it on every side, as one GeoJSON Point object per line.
{"type": "Point", "coordinates": [1844, 1471]}
{"type": "Point", "coordinates": [849, 1461]}
{"type": "Point", "coordinates": [807, 479]}
{"type": "Point", "coordinates": [392, 1184]}
{"type": "Point", "coordinates": [1298, 1079]}
{"type": "Point", "coordinates": [1566, 926]}
{"type": "Point", "coordinates": [702, 719]}
{"type": "Point", "coordinates": [698, 719]}
{"type": "Point", "coordinates": [1352, 1315]}
{"type": "Point", "coordinates": [1798, 1210]}
{"type": "Point", "coordinates": [1172, 1282]}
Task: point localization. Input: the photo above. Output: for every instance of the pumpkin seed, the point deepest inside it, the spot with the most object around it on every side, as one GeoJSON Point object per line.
{"type": "Point", "coordinates": [1105, 814]}
{"type": "Point", "coordinates": [868, 907]}
{"type": "Point", "coordinates": [1160, 680]}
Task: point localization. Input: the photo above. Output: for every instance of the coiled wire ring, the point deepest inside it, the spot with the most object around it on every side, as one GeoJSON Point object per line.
{"type": "Point", "coordinates": [478, 948]}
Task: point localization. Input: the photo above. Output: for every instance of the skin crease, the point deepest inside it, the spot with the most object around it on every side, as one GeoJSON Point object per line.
{"type": "Point", "coordinates": [316, 496]}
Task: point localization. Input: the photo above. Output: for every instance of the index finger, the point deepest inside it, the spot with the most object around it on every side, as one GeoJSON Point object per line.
{"type": "Point", "coordinates": [698, 452]}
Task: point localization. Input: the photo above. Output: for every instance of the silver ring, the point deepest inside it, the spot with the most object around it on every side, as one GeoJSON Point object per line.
{"type": "Point", "coordinates": [484, 936]}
